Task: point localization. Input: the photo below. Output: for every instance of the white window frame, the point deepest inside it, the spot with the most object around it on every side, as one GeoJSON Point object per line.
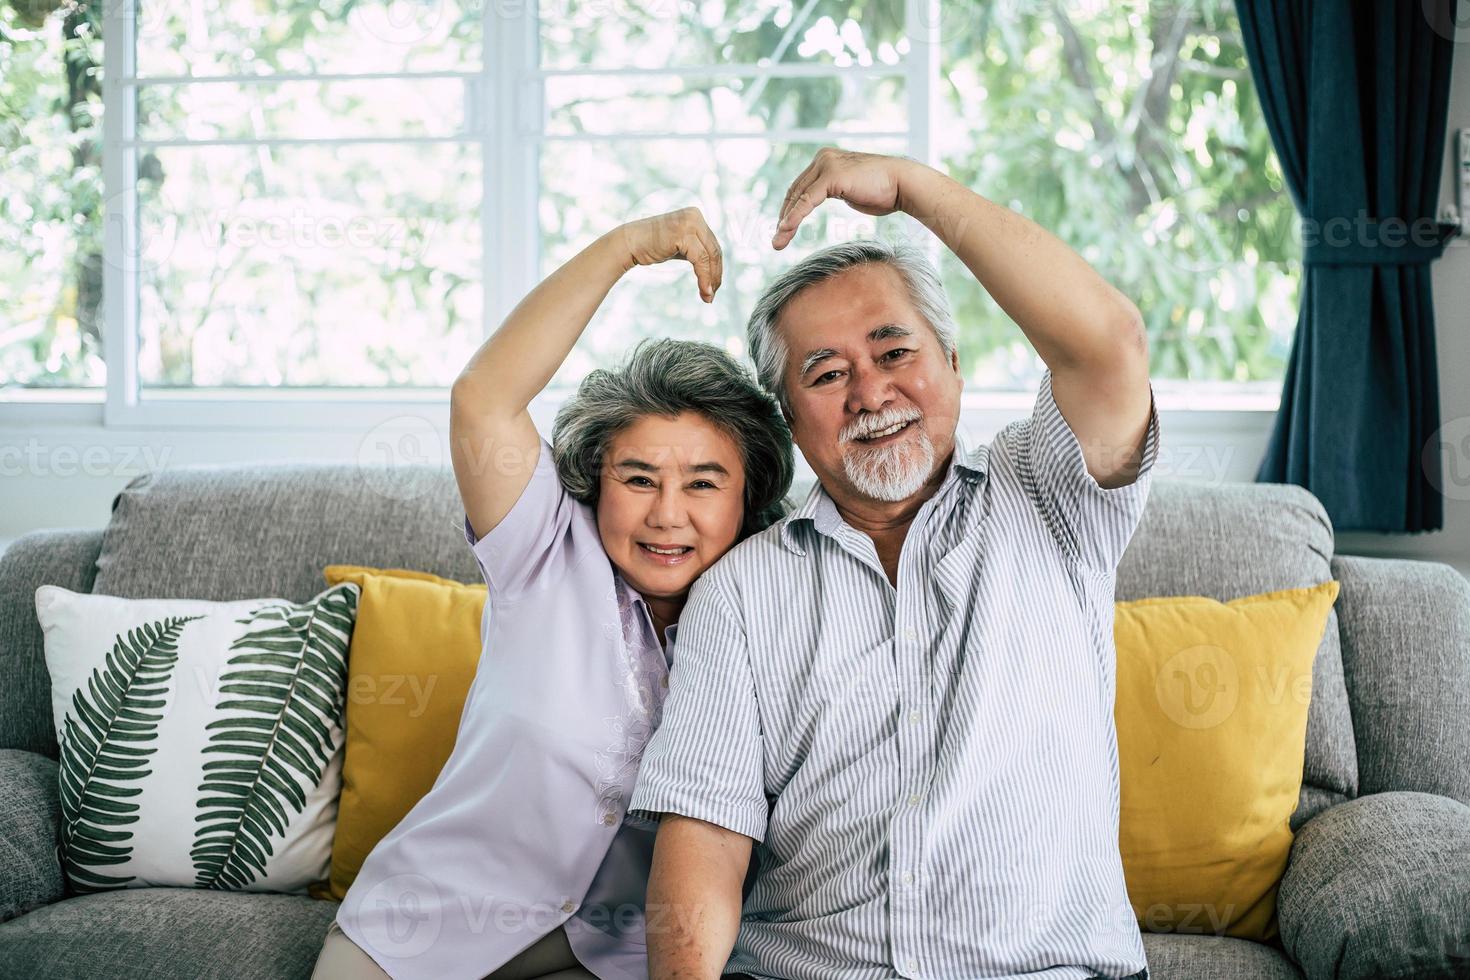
{"type": "Point", "coordinates": [506, 115]}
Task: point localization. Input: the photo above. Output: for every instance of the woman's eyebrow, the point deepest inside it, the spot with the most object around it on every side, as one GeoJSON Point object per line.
{"type": "Point", "coordinates": [638, 464]}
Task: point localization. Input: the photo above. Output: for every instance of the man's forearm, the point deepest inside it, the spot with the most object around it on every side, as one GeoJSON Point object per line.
{"type": "Point", "coordinates": [1070, 314]}
{"type": "Point", "coordinates": [694, 898]}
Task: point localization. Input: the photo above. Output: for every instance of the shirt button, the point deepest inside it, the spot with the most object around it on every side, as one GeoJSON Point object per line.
{"type": "Point", "coordinates": [912, 966]}
{"type": "Point", "coordinates": [914, 716]}
{"type": "Point", "coordinates": [908, 877]}
{"type": "Point", "coordinates": [909, 634]}
{"type": "Point", "coordinates": [913, 799]}
{"type": "Point", "coordinates": [567, 906]}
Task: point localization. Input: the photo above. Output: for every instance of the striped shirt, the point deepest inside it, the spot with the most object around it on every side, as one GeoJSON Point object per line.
{"type": "Point", "coordinates": [930, 772]}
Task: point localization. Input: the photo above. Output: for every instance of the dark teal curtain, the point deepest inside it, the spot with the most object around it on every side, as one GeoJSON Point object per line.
{"type": "Point", "coordinates": [1355, 94]}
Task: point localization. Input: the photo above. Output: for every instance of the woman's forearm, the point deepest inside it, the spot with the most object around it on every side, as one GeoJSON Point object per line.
{"type": "Point", "coordinates": [520, 358]}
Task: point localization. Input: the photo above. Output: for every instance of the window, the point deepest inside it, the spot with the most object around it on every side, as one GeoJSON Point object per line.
{"type": "Point", "coordinates": [342, 199]}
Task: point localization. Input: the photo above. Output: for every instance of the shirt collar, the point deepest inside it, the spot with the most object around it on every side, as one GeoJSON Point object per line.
{"type": "Point", "coordinates": [639, 603]}
{"type": "Point", "coordinates": [821, 511]}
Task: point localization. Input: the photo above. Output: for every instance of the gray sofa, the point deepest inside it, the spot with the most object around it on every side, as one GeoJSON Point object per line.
{"type": "Point", "coordinates": [1379, 878]}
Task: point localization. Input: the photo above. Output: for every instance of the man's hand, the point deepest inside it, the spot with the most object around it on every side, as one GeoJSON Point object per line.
{"type": "Point", "coordinates": [868, 182]}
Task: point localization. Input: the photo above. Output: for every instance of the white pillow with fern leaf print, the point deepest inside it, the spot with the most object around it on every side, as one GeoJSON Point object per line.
{"type": "Point", "coordinates": [201, 742]}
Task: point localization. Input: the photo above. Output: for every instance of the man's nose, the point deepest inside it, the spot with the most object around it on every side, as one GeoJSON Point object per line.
{"type": "Point", "coordinates": [869, 391]}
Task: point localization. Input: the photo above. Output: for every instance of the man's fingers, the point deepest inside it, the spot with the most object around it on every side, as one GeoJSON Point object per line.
{"type": "Point", "coordinates": [796, 185]}
{"type": "Point", "coordinates": [802, 205]}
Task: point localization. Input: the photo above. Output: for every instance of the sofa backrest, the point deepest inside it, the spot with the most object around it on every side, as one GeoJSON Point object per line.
{"type": "Point", "coordinates": [239, 531]}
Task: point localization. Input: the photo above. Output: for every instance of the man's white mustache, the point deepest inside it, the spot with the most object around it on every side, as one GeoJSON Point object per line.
{"type": "Point", "coordinates": [864, 427]}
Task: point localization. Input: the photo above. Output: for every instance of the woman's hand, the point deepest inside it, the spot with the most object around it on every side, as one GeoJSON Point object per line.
{"type": "Point", "coordinates": [681, 234]}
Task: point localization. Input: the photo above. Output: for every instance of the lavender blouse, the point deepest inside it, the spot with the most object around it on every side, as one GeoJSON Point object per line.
{"type": "Point", "coordinates": [526, 827]}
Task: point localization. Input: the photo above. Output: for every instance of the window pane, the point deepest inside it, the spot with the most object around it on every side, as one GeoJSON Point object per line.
{"type": "Point", "coordinates": [610, 104]}
{"type": "Point", "coordinates": [593, 186]}
{"type": "Point", "coordinates": [50, 198]}
{"type": "Point", "coordinates": [246, 37]}
{"type": "Point", "coordinates": [1132, 131]}
{"type": "Point", "coordinates": [667, 33]}
{"type": "Point", "coordinates": [304, 265]}
{"type": "Point", "coordinates": [303, 110]}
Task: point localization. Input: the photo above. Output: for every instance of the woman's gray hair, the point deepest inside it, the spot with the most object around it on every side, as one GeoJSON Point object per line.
{"type": "Point", "coordinates": [666, 377]}
{"type": "Point", "coordinates": [768, 348]}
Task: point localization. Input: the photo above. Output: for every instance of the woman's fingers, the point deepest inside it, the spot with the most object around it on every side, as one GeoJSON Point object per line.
{"type": "Point", "coordinates": [709, 266]}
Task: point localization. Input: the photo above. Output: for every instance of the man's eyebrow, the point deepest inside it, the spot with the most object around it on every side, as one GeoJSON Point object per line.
{"type": "Point", "coordinates": [813, 358]}
{"type": "Point", "coordinates": [887, 331]}
{"type": "Point", "coordinates": [638, 464]}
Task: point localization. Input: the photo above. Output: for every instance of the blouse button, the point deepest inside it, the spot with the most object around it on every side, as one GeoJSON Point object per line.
{"type": "Point", "coordinates": [609, 819]}
{"type": "Point", "coordinates": [664, 681]}
{"type": "Point", "coordinates": [566, 906]}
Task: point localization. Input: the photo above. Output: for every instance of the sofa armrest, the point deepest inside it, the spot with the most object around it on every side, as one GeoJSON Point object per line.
{"type": "Point", "coordinates": [67, 558]}
{"type": "Point", "coordinates": [1405, 629]}
{"type": "Point", "coordinates": [1380, 887]}
{"type": "Point", "coordinates": [30, 813]}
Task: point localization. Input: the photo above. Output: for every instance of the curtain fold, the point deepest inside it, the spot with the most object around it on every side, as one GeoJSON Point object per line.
{"type": "Point", "coordinates": [1355, 96]}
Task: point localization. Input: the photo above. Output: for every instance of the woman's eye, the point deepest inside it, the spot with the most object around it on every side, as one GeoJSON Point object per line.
{"type": "Point", "coordinates": [645, 481]}
{"type": "Point", "coordinates": [702, 485]}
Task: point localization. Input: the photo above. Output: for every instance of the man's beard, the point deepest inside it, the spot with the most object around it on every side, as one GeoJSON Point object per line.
{"type": "Point", "coordinates": [894, 472]}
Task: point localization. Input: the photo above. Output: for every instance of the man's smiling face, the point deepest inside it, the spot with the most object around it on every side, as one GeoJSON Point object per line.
{"type": "Point", "coordinates": [874, 398]}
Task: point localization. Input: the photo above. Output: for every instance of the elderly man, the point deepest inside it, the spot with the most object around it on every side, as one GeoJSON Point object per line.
{"type": "Point", "coordinates": [902, 693]}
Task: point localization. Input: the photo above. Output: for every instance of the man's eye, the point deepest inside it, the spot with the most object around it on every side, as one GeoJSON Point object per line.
{"type": "Point", "coordinates": [702, 485]}
{"type": "Point", "coordinates": [900, 351]}
{"type": "Point", "coordinates": [822, 379]}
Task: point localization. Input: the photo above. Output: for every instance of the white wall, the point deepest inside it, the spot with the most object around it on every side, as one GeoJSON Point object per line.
{"type": "Point", "coordinates": [64, 473]}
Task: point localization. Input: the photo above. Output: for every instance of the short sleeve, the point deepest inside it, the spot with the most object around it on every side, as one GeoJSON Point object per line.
{"type": "Point", "coordinates": [1092, 524]}
{"type": "Point", "coordinates": [706, 758]}
{"type": "Point", "coordinates": [534, 540]}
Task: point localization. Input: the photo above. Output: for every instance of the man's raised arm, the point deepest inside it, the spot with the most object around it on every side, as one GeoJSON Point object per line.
{"type": "Point", "coordinates": [1088, 333]}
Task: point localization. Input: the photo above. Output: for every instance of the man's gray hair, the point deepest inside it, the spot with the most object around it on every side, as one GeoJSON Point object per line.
{"type": "Point", "coordinates": [768, 349]}
{"type": "Point", "coordinates": [666, 378]}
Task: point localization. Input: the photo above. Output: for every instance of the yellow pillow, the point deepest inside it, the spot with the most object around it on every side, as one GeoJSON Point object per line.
{"type": "Point", "coordinates": [413, 655]}
{"type": "Point", "coordinates": [1212, 725]}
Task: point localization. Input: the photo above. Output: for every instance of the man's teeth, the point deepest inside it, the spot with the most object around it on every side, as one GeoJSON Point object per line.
{"type": "Point", "coordinates": [666, 551]}
{"type": "Point", "coordinates": [884, 432]}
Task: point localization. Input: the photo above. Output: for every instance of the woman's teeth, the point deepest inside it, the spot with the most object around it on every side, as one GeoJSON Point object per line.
{"type": "Point", "coordinates": [667, 551]}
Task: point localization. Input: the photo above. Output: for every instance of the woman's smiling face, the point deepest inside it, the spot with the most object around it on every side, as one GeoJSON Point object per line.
{"type": "Point", "coordinates": [671, 502]}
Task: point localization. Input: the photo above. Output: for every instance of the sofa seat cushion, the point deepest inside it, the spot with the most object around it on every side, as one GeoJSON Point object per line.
{"type": "Point", "coordinates": [1177, 956]}
{"type": "Point", "coordinates": [168, 932]}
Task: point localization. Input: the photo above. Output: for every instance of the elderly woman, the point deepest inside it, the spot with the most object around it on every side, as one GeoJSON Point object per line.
{"type": "Point", "coordinates": [521, 860]}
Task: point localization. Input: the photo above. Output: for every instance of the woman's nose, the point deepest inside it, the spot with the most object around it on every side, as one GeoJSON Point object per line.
{"type": "Point", "coordinates": [668, 510]}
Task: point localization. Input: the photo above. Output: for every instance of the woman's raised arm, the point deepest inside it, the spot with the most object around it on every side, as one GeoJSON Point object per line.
{"type": "Point", "coordinates": [492, 440]}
